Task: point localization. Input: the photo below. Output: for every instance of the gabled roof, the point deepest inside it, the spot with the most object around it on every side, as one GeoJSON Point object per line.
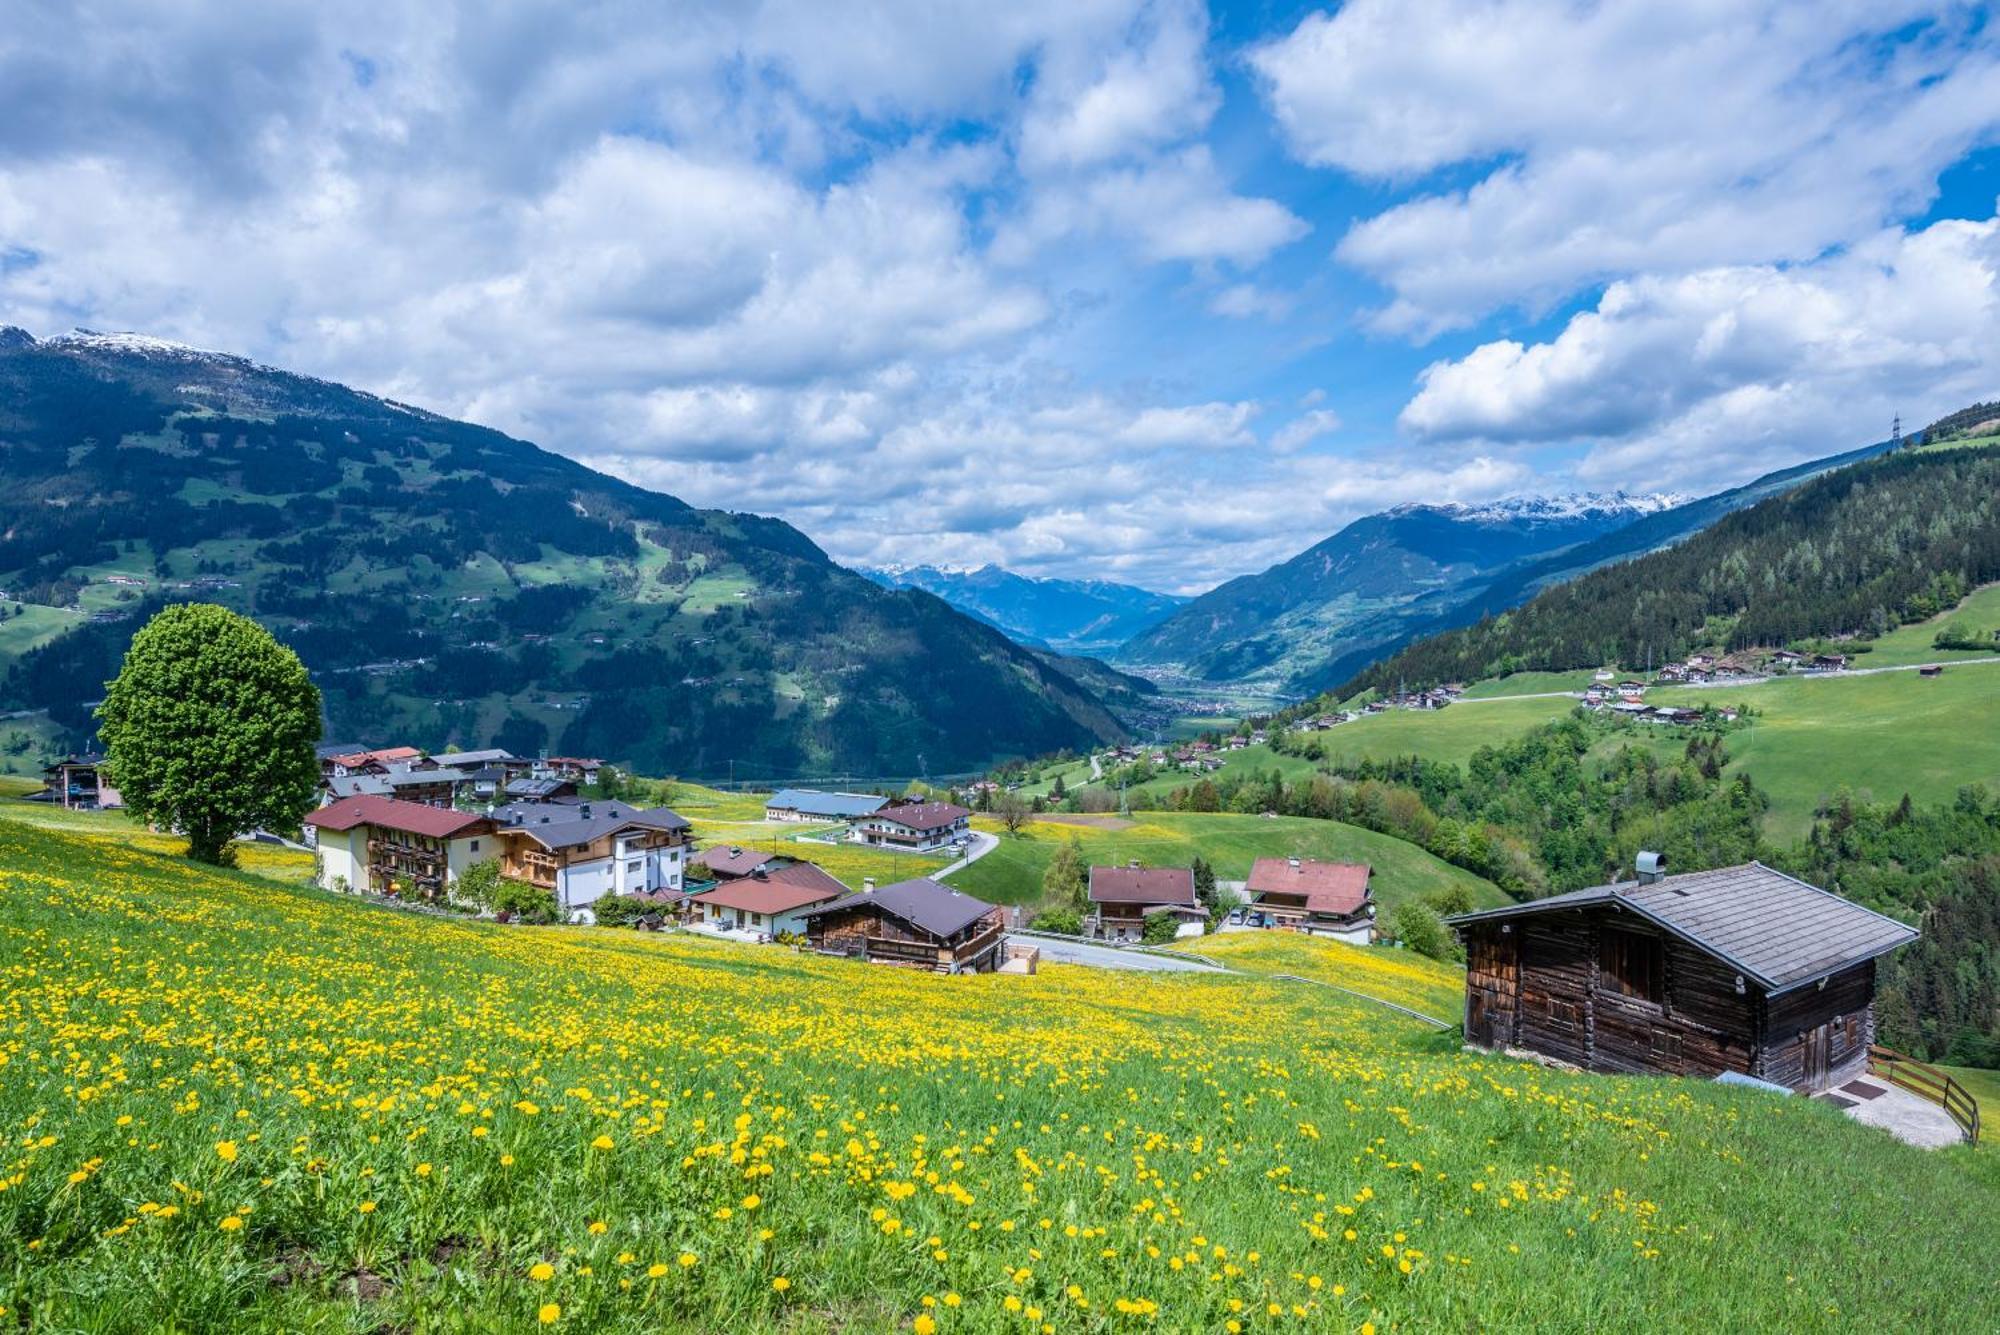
{"type": "Point", "coordinates": [476, 759]}
{"type": "Point", "coordinates": [924, 815]}
{"type": "Point", "coordinates": [1328, 887]}
{"type": "Point", "coordinates": [383, 757]}
{"type": "Point", "coordinates": [1777, 930]}
{"type": "Point", "coordinates": [357, 785]}
{"type": "Point", "coordinates": [733, 859]}
{"type": "Point", "coordinates": [389, 814]}
{"type": "Point", "coordinates": [834, 806]}
{"type": "Point", "coordinates": [922, 903]}
{"type": "Point", "coordinates": [776, 893]}
{"type": "Point", "coordinates": [556, 825]}
{"type": "Point", "coordinates": [398, 777]}
{"type": "Point", "coordinates": [538, 787]}
{"type": "Point", "coordinates": [1142, 885]}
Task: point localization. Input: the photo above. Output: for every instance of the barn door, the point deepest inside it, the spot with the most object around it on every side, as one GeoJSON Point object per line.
{"type": "Point", "coordinates": [1819, 1055]}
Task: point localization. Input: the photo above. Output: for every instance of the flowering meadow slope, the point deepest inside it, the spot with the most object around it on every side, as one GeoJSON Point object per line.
{"type": "Point", "coordinates": [233, 1103]}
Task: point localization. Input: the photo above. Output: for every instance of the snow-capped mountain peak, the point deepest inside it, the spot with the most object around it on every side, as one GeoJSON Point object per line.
{"type": "Point", "coordinates": [1567, 505]}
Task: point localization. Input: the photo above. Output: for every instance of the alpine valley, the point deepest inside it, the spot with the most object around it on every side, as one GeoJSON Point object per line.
{"type": "Point", "coordinates": [446, 581]}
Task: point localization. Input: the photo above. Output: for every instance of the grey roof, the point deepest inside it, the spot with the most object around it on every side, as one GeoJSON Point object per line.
{"type": "Point", "coordinates": [328, 750]}
{"type": "Point", "coordinates": [567, 824]}
{"type": "Point", "coordinates": [923, 903]}
{"type": "Point", "coordinates": [359, 785]}
{"type": "Point", "coordinates": [1776, 929]}
{"type": "Point", "coordinates": [398, 778]}
{"type": "Point", "coordinates": [834, 806]}
{"type": "Point", "coordinates": [537, 787]}
{"type": "Point", "coordinates": [475, 759]}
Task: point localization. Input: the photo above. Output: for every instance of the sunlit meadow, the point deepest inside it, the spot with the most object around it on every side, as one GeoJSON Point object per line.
{"type": "Point", "coordinates": [230, 1102]}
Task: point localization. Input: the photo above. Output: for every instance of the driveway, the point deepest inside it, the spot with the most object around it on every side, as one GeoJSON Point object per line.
{"type": "Point", "coordinates": [981, 845]}
{"type": "Point", "coordinates": [1107, 957]}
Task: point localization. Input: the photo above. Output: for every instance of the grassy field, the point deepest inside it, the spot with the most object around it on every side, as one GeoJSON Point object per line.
{"type": "Point", "coordinates": [113, 827]}
{"type": "Point", "coordinates": [1529, 683]}
{"type": "Point", "coordinates": [1401, 976]}
{"type": "Point", "coordinates": [1452, 733]}
{"type": "Point", "coordinates": [1980, 612]}
{"type": "Point", "coordinates": [1984, 1086]}
{"type": "Point", "coordinates": [1885, 735]}
{"type": "Point", "coordinates": [1012, 873]}
{"type": "Point", "coordinates": [240, 1104]}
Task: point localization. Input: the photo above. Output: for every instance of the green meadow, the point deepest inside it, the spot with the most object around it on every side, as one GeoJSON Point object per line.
{"type": "Point", "coordinates": [1012, 873]}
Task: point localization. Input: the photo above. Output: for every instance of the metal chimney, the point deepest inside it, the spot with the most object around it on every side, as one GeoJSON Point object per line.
{"type": "Point", "coordinates": [1651, 867]}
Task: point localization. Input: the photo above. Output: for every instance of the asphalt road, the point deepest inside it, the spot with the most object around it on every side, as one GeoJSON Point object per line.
{"type": "Point", "coordinates": [1109, 957]}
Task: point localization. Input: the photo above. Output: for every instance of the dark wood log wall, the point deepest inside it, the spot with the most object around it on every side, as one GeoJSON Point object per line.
{"type": "Point", "coordinates": [1846, 1005]}
{"type": "Point", "coordinates": [1560, 1005]}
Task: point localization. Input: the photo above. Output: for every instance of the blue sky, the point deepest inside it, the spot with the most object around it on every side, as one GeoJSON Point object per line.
{"type": "Point", "coordinates": [1131, 289]}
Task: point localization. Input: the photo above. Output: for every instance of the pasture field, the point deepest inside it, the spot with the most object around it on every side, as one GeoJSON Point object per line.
{"type": "Point", "coordinates": [1884, 734]}
{"type": "Point", "coordinates": [1401, 976]}
{"type": "Point", "coordinates": [1983, 1085]}
{"type": "Point", "coordinates": [1980, 612]}
{"type": "Point", "coordinates": [1452, 733]}
{"type": "Point", "coordinates": [1012, 873]}
{"type": "Point", "coordinates": [239, 1104]}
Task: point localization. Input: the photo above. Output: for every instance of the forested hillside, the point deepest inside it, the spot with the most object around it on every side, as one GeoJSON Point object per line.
{"type": "Point", "coordinates": [1854, 552]}
{"type": "Point", "coordinates": [447, 583]}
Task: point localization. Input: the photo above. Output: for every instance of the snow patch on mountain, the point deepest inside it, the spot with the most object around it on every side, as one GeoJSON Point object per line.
{"type": "Point", "coordinates": [1568, 505]}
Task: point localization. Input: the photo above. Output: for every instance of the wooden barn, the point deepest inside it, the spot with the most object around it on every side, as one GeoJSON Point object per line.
{"type": "Point", "coordinates": [1740, 969]}
{"type": "Point", "coordinates": [919, 924]}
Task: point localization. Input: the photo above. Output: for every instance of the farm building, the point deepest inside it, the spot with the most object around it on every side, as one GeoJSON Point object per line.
{"type": "Point", "coordinates": [807, 804]}
{"type": "Point", "coordinates": [1331, 898]}
{"type": "Point", "coordinates": [1121, 897]}
{"type": "Point", "coordinates": [80, 782]}
{"type": "Point", "coordinates": [914, 827]}
{"type": "Point", "coordinates": [1741, 969]}
{"type": "Point", "coordinates": [917, 924]}
{"type": "Point", "coordinates": [769, 901]}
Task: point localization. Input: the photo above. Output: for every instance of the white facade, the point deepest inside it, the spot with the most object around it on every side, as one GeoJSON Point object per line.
{"type": "Point", "coordinates": [629, 870]}
{"type": "Point", "coordinates": [343, 855]}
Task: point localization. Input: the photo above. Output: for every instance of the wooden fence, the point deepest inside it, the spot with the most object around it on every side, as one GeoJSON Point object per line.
{"type": "Point", "coordinates": [1927, 1082]}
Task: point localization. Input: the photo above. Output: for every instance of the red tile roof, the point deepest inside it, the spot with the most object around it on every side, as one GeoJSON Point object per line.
{"type": "Point", "coordinates": [1141, 885]}
{"type": "Point", "coordinates": [389, 814]}
{"type": "Point", "coordinates": [1328, 887]}
{"type": "Point", "coordinates": [774, 894]}
{"type": "Point", "coordinates": [923, 815]}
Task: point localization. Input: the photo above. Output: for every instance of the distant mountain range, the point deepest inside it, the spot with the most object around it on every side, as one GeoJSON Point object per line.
{"type": "Point", "coordinates": [449, 584]}
{"type": "Point", "coordinates": [1073, 616]}
{"type": "Point", "coordinates": [1360, 590]}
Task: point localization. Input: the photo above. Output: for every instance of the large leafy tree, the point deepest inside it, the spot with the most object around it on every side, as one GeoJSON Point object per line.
{"type": "Point", "coordinates": [209, 728]}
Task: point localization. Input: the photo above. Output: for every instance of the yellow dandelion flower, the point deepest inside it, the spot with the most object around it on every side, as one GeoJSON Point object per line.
{"type": "Point", "coordinates": [226, 1150]}
{"type": "Point", "coordinates": [781, 1283]}
{"type": "Point", "coordinates": [602, 1143]}
{"type": "Point", "coordinates": [231, 1223]}
{"type": "Point", "coordinates": [541, 1271]}
{"type": "Point", "coordinates": [550, 1314]}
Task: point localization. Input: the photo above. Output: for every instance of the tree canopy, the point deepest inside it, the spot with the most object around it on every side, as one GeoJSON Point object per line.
{"type": "Point", "coordinates": [209, 728]}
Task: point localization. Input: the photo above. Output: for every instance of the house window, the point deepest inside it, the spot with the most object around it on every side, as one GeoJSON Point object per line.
{"type": "Point", "coordinates": [633, 868]}
{"type": "Point", "coordinates": [1565, 1014]}
{"type": "Point", "coordinates": [1666, 1046]}
{"type": "Point", "coordinates": [473, 847]}
{"type": "Point", "coordinates": [1632, 964]}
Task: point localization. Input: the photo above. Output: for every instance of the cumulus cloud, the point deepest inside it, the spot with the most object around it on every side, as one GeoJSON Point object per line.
{"type": "Point", "coordinates": [1725, 372]}
{"type": "Point", "coordinates": [1625, 136]}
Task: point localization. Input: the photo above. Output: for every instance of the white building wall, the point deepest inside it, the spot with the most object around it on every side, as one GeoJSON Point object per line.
{"type": "Point", "coordinates": [343, 854]}
{"type": "Point", "coordinates": [583, 883]}
{"type": "Point", "coordinates": [460, 855]}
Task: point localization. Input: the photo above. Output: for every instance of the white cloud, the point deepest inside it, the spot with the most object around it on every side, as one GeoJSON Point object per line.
{"type": "Point", "coordinates": [1243, 301]}
{"type": "Point", "coordinates": [1727, 372]}
{"type": "Point", "coordinates": [1304, 429]}
{"type": "Point", "coordinates": [1625, 136]}
{"type": "Point", "coordinates": [1150, 94]}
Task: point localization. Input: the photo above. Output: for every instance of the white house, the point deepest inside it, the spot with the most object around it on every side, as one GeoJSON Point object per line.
{"type": "Point", "coordinates": [916, 827]}
{"type": "Point", "coordinates": [582, 851]}
{"type": "Point", "coordinates": [379, 845]}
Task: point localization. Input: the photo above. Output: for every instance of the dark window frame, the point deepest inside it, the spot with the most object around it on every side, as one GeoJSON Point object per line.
{"type": "Point", "coordinates": [1632, 964]}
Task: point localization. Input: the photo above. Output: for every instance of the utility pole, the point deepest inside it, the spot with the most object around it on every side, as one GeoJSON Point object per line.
{"type": "Point", "coordinates": [1896, 433]}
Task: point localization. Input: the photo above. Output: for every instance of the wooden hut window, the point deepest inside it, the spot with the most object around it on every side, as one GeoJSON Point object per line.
{"type": "Point", "coordinates": [1633, 964]}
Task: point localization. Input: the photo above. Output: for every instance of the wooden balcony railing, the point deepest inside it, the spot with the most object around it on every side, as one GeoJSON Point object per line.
{"type": "Point", "coordinates": [1928, 1082]}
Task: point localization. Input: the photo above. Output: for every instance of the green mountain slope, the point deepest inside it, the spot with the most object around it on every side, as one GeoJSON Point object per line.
{"type": "Point", "coordinates": [1856, 551]}
{"type": "Point", "coordinates": [447, 583]}
{"type": "Point", "coordinates": [1360, 590]}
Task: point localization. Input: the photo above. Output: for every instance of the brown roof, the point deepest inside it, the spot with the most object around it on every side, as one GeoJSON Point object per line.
{"type": "Point", "coordinates": [733, 860]}
{"type": "Point", "coordinates": [382, 757]}
{"type": "Point", "coordinates": [1141, 885]}
{"type": "Point", "coordinates": [924, 815]}
{"type": "Point", "coordinates": [389, 814]}
{"type": "Point", "coordinates": [1328, 887]}
{"type": "Point", "coordinates": [760, 894]}
{"type": "Point", "coordinates": [805, 876]}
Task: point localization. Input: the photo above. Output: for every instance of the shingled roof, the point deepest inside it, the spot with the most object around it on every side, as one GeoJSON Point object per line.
{"type": "Point", "coordinates": [1142, 885]}
{"type": "Point", "coordinates": [924, 816]}
{"type": "Point", "coordinates": [923, 903]}
{"type": "Point", "coordinates": [1778, 930]}
{"type": "Point", "coordinates": [390, 814]}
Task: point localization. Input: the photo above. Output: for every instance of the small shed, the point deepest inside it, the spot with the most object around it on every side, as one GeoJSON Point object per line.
{"type": "Point", "coordinates": [1741, 969]}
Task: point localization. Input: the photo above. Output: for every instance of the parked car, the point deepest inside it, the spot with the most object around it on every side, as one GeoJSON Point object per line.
{"type": "Point", "coordinates": [1236, 915]}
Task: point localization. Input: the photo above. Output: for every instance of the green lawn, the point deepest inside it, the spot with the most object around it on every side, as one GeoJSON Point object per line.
{"type": "Point", "coordinates": [1452, 733]}
{"type": "Point", "coordinates": [1529, 683]}
{"type": "Point", "coordinates": [1012, 873]}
